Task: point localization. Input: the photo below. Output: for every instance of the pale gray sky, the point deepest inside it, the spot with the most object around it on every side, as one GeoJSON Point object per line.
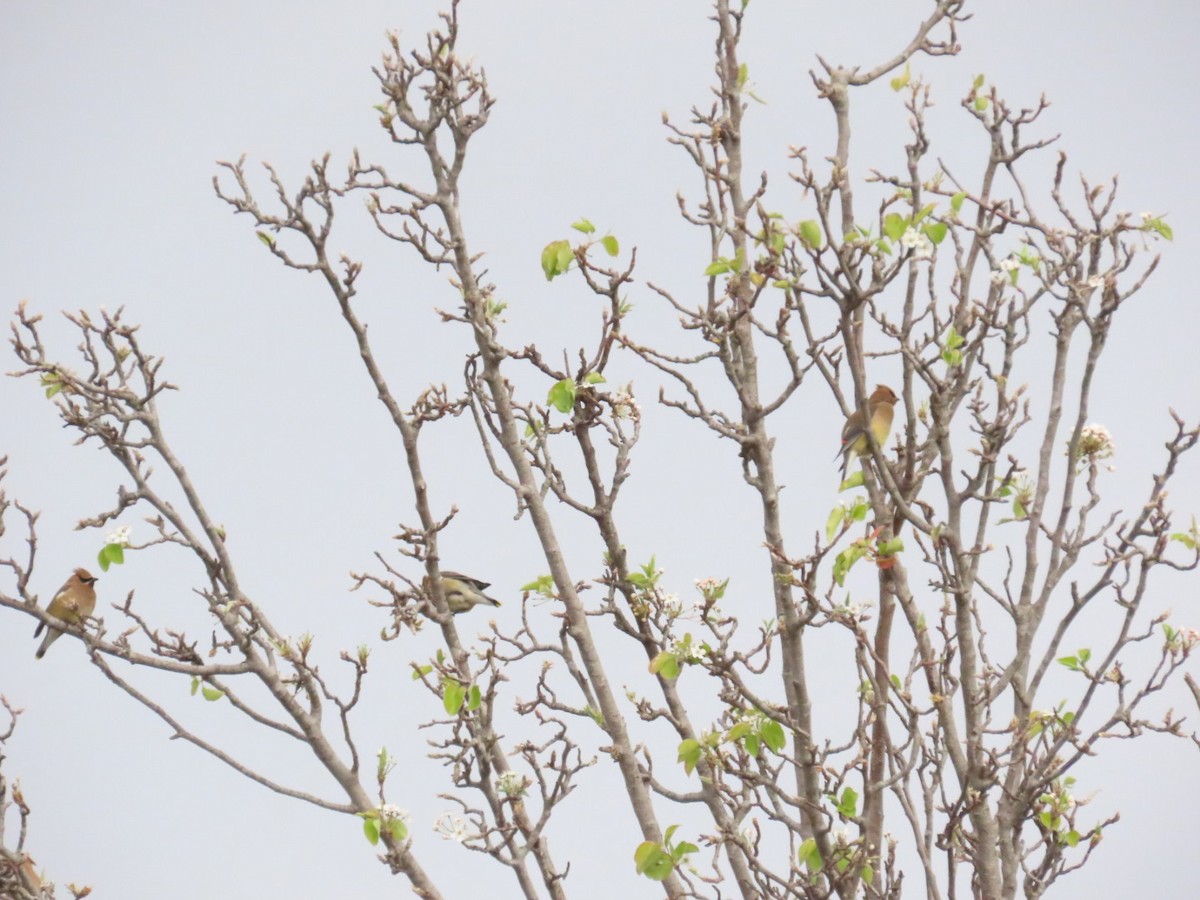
{"type": "Point", "coordinates": [111, 118]}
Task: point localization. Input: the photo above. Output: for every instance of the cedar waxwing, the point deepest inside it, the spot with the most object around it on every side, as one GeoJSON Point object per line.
{"type": "Point", "coordinates": [72, 604]}
{"type": "Point", "coordinates": [881, 405]}
{"type": "Point", "coordinates": [463, 592]}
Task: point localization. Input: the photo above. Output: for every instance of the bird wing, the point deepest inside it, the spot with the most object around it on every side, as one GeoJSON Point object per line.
{"type": "Point", "coordinates": [474, 582]}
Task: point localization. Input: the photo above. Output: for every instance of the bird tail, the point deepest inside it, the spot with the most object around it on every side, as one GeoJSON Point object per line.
{"type": "Point", "coordinates": [50, 638]}
{"type": "Point", "coordinates": [39, 628]}
{"type": "Point", "coordinates": [846, 453]}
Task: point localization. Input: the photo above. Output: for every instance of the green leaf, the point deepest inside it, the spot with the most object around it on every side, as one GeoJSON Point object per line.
{"type": "Point", "coordinates": [1186, 539]}
{"type": "Point", "coordinates": [1071, 838]}
{"type": "Point", "coordinates": [111, 554]}
{"type": "Point", "coordinates": [583, 225]}
{"type": "Point", "coordinates": [773, 736]}
{"type": "Point", "coordinates": [665, 664]}
{"type": "Point", "coordinates": [855, 480]}
{"type": "Point", "coordinates": [610, 244]}
{"type": "Point", "coordinates": [810, 233]}
{"type": "Point", "coordinates": [848, 804]}
{"type": "Point", "coordinates": [738, 731]}
{"type": "Point", "coordinates": [1160, 227]}
{"type": "Point", "coordinates": [420, 672]}
{"type": "Point", "coordinates": [836, 515]}
{"type": "Point", "coordinates": [717, 267]}
{"type": "Point", "coordinates": [682, 849]}
{"type": "Point", "coordinates": [743, 74]}
{"type": "Point", "coordinates": [809, 856]}
{"type": "Point", "coordinates": [922, 213]}
{"type": "Point", "coordinates": [1070, 662]}
{"type": "Point", "coordinates": [594, 378]}
{"type": "Point", "coordinates": [52, 382]}
{"type": "Point", "coordinates": [398, 829]}
{"type": "Point", "coordinates": [890, 548]}
{"type": "Point", "coordinates": [690, 752]}
{"type": "Point", "coordinates": [981, 103]}
{"type": "Point", "coordinates": [265, 238]}
{"type": "Point", "coordinates": [978, 83]}
{"type": "Point", "coordinates": [474, 698]}
{"type": "Point", "coordinates": [195, 685]}
{"type": "Point", "coordinates": [371, 830]}
{"type": "Point", "coordinates": [211, 694]}
{"type": "Point", "coordinates": [862, 506]}
{"type": "Point", "coordinates": [652, 861]}
{"type": "Point", "coordinates": [894, 225]}
{"type": "Point", "coordinates": [867, 874]}
{"type": "Point", "coordinates": [936, 231]}
{"type": "Point", "coordinates": [845, 560]}
{"type": "Point", "coordinates": [556, 258]}
{"type": "Point", "coordinates": [453, 694]}
{"type": "Point", "coordinates": [543, 585]}
{"type": "Point", "coordinates": [898, 83]}
{"type": "Point", "coordinates": [956, 201]}
{"type": "Point", "coordinates": [562, 395]}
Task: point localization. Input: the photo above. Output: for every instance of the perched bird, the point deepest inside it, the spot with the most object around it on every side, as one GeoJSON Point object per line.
{"type": "Point", "coordinates": [880, 409]}
{"type": "Point", "coordinates": [72, 604]}
{"type": "Point", "coordinates": [463, 592]}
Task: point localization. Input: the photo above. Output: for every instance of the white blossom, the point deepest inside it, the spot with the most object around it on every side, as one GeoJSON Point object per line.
{"type": "Point", "coordinates": [624, 406]}
{"type": "Point", "coordinates": [512, 784]}
{"type": "Point", "coordinates": [1095, 443]}
{"type": "Point", "coordinates": [918, 242]}
{"type": "Point", "coordinates": [119, 535]}
{"type": "Point", "coordinates": [451, 827]}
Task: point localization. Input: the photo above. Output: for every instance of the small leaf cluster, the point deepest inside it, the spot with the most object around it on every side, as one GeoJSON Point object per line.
{"type": "Point", "coordinates": [658, 861]}
{"type": "Point", "coordinates": [557, 256]}
{"type": "Point", "coordinates": [455, 693]}
{"type": "Point", "coordinates": [951, 354]}
{"type": "Point", "coordinates": [562, 393]}
{"type": "Point", "coordinates": [882, 552]}
{"type": "Point", "coordinates": [207, 691]}
{"type": "Point", "coordinates": [1021, 491]}
{"type": "Point", "coordinates": [375, 822]}
{"type": "Point", "coordinates": [669, 663]}
{"type": "Point", "coordinates": [1056, 805]}
{"type": "Point", "coordinates": [755, 731]}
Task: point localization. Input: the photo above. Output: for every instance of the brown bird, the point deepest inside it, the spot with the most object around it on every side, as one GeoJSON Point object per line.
{"type": "Point", "coordinates": [462, 592]}
{"type": "Point", "coordinates": [880, 410]}
{"type": "Point", "coordinates": [72, 604]}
